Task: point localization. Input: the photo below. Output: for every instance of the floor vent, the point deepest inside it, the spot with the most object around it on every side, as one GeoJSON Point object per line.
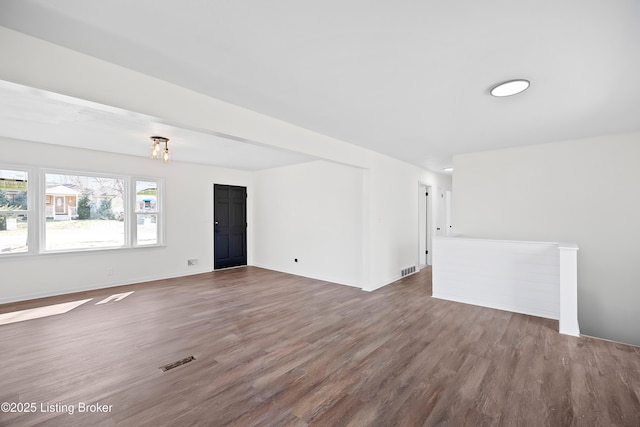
{"type": "Point", "coordinates": [165, 368]}
{"type": "Point", "coordinates": [407, 271]}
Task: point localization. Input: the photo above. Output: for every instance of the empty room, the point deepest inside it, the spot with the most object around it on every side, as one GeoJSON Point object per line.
{"type": "Point", "coordinates": [288, 213]}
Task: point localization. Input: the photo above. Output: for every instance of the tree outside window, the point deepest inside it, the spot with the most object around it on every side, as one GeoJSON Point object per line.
{"type": "Point", "coordinates": [14, 232]}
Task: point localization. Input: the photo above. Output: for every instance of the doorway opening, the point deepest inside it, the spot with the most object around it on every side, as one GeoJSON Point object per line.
{"type": "Point", "coordinates": [425, 223]}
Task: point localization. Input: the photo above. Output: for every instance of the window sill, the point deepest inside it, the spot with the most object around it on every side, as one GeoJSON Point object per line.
{"type": "Point", "coordinates": [15, 256]}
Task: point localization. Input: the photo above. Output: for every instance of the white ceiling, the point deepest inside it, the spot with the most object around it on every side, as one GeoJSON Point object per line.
{"type": "Point", "coordinates": [36, 115]}
{"type": "Point", "coordinates": [405, 78]}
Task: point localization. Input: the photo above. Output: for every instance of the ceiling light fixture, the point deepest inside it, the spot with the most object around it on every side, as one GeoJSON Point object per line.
{"type": "Point", "coordinates": [512, 87]}
{"type": "Point", "coordinates": [448, 169]}
{"type": "Point", "coordinates": [156, 150]}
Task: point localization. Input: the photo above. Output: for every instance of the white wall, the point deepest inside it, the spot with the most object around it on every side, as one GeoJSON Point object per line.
{"type": "Point", "coordinates": [344, 224]}
{"type": "Point", "coordinates": [311, 212]}
{"type": "Point", "coordinates": [389, 200]}
{"type": "Point", "coordinates": [188, 216]}
{"type": "Point", "coordinates": [395, 216]}
{"type": "Point", "coordinates": [583, 191]}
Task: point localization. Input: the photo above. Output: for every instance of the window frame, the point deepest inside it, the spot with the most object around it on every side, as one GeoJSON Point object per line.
{"type": "Point", "coordinates": [30, 212]}
{"type": "Point", "coordinates": [42, 248]}
{"type": "Point", "coordinates": [36, 210]}
{"type": "Point", "coordinates": [159, 211]}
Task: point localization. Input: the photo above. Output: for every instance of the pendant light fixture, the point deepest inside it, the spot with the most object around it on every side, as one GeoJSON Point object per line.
{"type": "Point", "coordinates": [157, 153]}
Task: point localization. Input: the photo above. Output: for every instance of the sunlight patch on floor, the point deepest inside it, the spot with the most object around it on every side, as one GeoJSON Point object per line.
{"type": "Point", "coordinates": [39, 312]}
{"type": "Point", "coordinates": [115, 297]}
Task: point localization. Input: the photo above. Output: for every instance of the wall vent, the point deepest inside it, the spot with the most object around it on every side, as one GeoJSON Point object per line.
{"type": "Point", "coordinates": [407, 271]}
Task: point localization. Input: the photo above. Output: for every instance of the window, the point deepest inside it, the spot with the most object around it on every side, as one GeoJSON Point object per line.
{"type": "Point", "coordinates": [147, 208]}
{"type": "Point", "coordinates": [14, 233]}
{"type": "Point", "coordinates": [84, 212]}
{"type": "Point", "coordinates": [77, 211]}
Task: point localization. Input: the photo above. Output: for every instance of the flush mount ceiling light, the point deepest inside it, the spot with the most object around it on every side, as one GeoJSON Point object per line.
{"type": "Point", "coordinates": [156, 150]}
{"type": "Point", "coordinates": [448, 169]}
{"type": "Point", "coordinates": [512, 87]}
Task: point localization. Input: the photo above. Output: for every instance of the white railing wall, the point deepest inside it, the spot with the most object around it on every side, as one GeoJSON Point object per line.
{"type": "Point", "coordinates": [535, 278]}
{"type": "Point", "coordinates": [569, 289]}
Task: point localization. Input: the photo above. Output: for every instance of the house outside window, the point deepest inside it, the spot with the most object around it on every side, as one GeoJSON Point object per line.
{"type": "Point", "coordinates": [147, 209]}
{"type": "Point", "coordinates": [84, 212]}
{"type": "Point", "coordinates": [77, 211]}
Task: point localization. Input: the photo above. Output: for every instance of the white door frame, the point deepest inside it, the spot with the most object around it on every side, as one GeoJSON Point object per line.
{"type": "Point", "coordinates": [425, 225]}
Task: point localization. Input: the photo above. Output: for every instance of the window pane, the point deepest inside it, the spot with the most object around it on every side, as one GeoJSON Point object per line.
{"type": "Point", "coordinates": [13, 190]}
{"type": "Point", "coordinates": [13, 233]}
{"type": "Point", "coordinates": [147, 217]}
{"type": "Point", "coordinates": [147, 229]}
{"type": "Point", "coordinates": [13, 211]}
{"type": "Point", "coordinates": [146, 196]}
{"type": "Point", "coordinates": [84, 212]}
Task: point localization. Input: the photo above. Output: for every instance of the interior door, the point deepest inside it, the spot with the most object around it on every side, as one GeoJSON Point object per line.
{"type": "Point", "coordinates": [230, 226]}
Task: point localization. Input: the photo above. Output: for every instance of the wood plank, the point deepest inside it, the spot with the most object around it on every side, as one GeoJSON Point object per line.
{"type": "Point", "coordinates": [276, 349]}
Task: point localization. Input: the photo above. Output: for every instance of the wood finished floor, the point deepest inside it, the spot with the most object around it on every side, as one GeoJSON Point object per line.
{"type": "Point", "coordinates": [278, 350]}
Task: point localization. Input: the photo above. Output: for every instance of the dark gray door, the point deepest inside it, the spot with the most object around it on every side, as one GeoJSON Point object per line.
{"type": "Point", "coordinates": [230, 226]}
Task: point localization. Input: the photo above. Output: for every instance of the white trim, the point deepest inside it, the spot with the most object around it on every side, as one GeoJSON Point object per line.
{"type": "Point", "coordinates": [43, 220]}
{"type": "Point", "coordinates": [98, 286]}
{"type": "Point", "coordinates": [381, 284]}
{"type": "Point", "coordinates": [36, 215]}
{"type": "Point", "coordinates": [501, 306]}
{"type": "Point", "coordinates": [30, 212]}
{"type": "Point", "coordinates": [314, 277]}
{"type": "Point", "coordinates": [569, 289]}
{"type": "Point", "coordinates": [159, 211]}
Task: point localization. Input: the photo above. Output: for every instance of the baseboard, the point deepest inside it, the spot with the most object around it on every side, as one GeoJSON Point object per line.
{"type": "Point", "coordinates": [503, 307]}
{"type": "Point", "coordinates": [297, 273]}
{"type": "Point", "coordinates": [97, 286]}
{"type": "Point", "coordinates": [383, 284]}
